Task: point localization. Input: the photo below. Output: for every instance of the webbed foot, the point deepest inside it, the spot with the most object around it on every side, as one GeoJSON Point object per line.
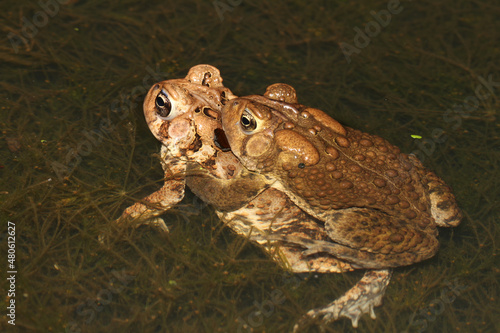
{"type": "Point", "coordinates": [360, 299]}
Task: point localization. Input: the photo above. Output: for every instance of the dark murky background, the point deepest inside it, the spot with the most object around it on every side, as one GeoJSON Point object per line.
{"type": "Point", "coordinates": [66, 70]}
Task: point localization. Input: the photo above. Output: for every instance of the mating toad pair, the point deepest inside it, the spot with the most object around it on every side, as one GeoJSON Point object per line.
{"type": "Point", "coordinates": [318, 196]}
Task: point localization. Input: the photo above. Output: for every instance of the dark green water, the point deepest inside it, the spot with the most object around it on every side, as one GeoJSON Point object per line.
{"type": "Point", "coordinates": [431, 70]}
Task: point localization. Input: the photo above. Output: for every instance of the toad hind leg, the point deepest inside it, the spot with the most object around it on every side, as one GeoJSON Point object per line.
{"type": "Point", "coordinates": [444, 207]}
{"type": "Point", "coordinates": [358, 300]}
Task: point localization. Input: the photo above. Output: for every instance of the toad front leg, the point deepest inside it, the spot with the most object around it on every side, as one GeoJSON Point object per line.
{"type": "Point", "coordinates": [148, 209]}
{"type": "Point", "coordinates": [358, 300]}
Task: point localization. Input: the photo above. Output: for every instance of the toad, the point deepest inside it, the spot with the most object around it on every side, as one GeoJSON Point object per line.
{"type": "Point", "coordinates": [184, 115]}
{"type": "Point", "coordinates": [378, 207]}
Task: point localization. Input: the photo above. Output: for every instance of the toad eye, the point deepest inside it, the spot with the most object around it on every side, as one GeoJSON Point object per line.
{"type": "Point", "coordinates": [163, 105]}
{"type": "Point", "coordinates": [248, 121]}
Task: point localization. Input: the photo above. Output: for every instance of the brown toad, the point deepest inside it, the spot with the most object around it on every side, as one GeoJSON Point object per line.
{"type": "Point", "coordinates": [380, 207]}
{"type": "Point", "coordinates": [184, 114]}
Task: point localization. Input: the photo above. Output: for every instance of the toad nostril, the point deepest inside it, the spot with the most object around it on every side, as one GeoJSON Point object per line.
{"type": "Point", "coordinates": [210, 113]}
{"type": "Point", "coordinates": [206, 80]}
{"type": "Point", "coordinates": [223, 98]}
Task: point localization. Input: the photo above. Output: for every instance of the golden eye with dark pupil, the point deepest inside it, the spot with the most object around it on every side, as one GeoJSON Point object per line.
{"type": "Point", "coordinates": [248, 122]}
{"type": "Point", "coordinates": [163, 106]}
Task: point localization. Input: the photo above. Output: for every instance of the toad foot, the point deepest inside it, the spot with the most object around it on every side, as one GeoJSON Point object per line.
{"type": "Point", "coordinates": [360, 299]}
